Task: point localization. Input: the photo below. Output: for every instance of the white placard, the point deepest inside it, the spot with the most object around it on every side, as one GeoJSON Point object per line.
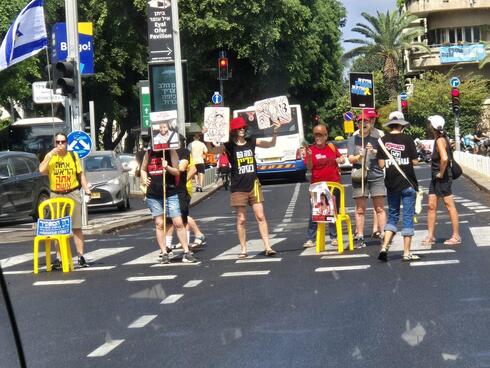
{"type": "Point", "coordinates": [271, 110]}
{"type": "Point", "coordinates": [217, 123]}
{"type": "Point", "coordinates": [41, 94]}
{"type": "Point", "coordinates": [164, 134]}
{"type": "Point", "coordinates": [322, 203]}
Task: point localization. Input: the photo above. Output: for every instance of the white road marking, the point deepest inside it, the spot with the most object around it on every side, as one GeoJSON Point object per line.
{"type": "Point", "coordinates": [481, 207]}
{"type": "Point", "coordinates": [58, 282]}
{"type": "Point", "coordinates": [279, 230]}
{"type": "Point", "coordinates": [342, 256]}
{"type": "Point", "coordinates": [15, 260]}
{"type": "Point", "coordinates": [172, 298]}
{"type": "Point", "coordinates": [469, 204]}
{"type": "Point", "coordinates": [286, 220]}
{"type": "Point", "coordinates": [176, 264]}
{"type": "Point", "coordinates": [259, 260]}
{"type": "Point", "coordinates": [254, 247]}
{"type": "Point", "coordinates": [479, 211]}
{"type": "Point", "coordinates": [146, 259]}
{"type": "Point", "coordinates": [342, 268]}
{"type": "Point", "coordinates": [462, 200]}
{"type": "Point", "coordinates": [192, 283]}
{"type": "Point", "coordinates": [17, 272]}
{"type": "Point", "coordinates": [94, 268]}
{"type": "Point", "coordinates": [105, 348]}
{"type": "Point", "coordinates": [245, 273]}
{"type": "Point", "coordinates": [433, 263]}
{"type": "Point", "coordinates": [151, 278]}
{"type": "Point", "coordinates": [436, 251]}
{"type": "Point", "coordinates": [103, 253]}
{"type": "Point", "coordinates": [417, 238]}
{"type": "Point", "coordinates": [329, 249]}
{"type": "Point", "coordinates": [481, 235]}
{"type": "Point", "coordinates": [142, 321]}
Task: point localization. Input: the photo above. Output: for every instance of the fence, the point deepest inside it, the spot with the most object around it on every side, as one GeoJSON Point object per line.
{"type": "Point", "coordinates": [478, 163]}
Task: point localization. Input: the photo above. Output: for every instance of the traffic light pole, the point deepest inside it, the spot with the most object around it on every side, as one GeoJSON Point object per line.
{"type": "Point", "coordinates": [221, 92]}
{"type": "Point", "coordinates": [456, 132]}
{"type": "Point", "coordinates": [178, 69]}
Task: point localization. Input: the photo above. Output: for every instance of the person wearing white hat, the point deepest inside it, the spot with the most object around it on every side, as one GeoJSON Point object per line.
{"type": "Point", "coordinates": [440, 185]}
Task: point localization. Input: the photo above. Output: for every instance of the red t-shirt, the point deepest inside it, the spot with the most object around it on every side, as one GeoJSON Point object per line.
{"type": "Point", "coordinates": [325, 168]}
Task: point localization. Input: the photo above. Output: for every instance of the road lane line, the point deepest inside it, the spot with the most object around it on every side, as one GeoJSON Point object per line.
{"type": "Point", "coordinates": [479, 211]}
{"type": "Point", "coordinates": [103, 253]}
{"type": "Point", "coordinates": [175, 264]}
{"type": "Point", "coordinates": [172, 298]}
{"type": "Point", "coordinates": [105, 349]}
{"type": "Point", "coordinates": [58, 282]}
{"type": "Point", "coordinates": [94, 268]}
{"type": "Point", "coordinates": [435, 251]}
{"type": "Point", "coordinates": [18, 272]}
{"type": "Point", "coordinates": [142, 321]}
{"type": "Point", "coordinates": [254, 247]}
{"type": "Point", "coordinates": [151, 278]}
{"type": "Point", "coordinates": [433, 263]}
{"type": "Point", "coordinates": [339, 256]}
{"type": "Point", "coordinates": [245, 273]}
{"type": "Point", "coordinates": [15, 260]}
{"type": "Point", "coordinates": [192, 283]}
{"type": "Point", "coordinates": [342, 268]}
{"type": "Point", "coordinates": [259, 260]}
{"type": "Point", "coordinates": [146, 259]}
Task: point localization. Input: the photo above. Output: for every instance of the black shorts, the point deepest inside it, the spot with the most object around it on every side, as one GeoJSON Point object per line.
{"type": "Point", "coordinates": [200, 168]}
{"type": "Point", "coordinates": [224, 170]}
{"type": "Point", "coordinates": [441, 187]}
{"type": "Point", "coordinates": [184, 204]}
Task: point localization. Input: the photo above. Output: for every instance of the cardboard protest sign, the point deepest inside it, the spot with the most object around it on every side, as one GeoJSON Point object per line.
{"type": "Point", "coordinates": [322, 203]}
{"type": "Point", "coordinates": [361, 90]}
{"type": "Point", "coordinates": [164, 134]}
{"type": "Point", "coordinates": [217, 123]}
{"type": "Point", "coordinates": [271, 110]}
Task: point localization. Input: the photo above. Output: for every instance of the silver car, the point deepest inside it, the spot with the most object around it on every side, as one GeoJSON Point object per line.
{"type": "Point", "coordinates": [108, 179]}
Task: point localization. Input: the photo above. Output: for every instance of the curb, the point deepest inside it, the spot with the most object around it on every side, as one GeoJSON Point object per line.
{"type": "Point", "coordinates": [473, 176]}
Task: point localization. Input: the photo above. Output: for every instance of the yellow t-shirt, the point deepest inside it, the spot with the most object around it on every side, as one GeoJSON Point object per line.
{"type": "Point", "coordinates": [188, 185]}
{"type": "Point", "coordinates": [63, 172]}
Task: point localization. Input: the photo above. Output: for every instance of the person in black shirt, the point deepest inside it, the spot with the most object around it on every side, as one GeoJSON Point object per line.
{"type": "Point", "coordinates": [400, 189]}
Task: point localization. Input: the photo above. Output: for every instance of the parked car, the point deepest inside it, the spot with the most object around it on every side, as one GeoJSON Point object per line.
{"type": "Point", "coordinates": [22, 186]}
{"type": "Point", "coordinates": [129, 162]}
{"type": "Point", "coordinates": [108, 179]}
{"type": "Point", "coordinates": [342, 147]}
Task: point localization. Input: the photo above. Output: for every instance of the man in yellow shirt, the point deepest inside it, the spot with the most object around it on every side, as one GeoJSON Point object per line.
{"type": "Point", "coordinates": [65, 179]}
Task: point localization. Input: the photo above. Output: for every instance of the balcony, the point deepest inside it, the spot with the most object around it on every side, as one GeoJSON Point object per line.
{"type": "Point", "coordinates": [447, 55]}
{"type": "Point", "coordinates": [422, 8]}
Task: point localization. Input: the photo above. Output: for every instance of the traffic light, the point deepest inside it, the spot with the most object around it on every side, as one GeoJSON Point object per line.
{"type": "Point", "coordinates": [223, 68]}
{"type": "Point", "coordinates": [455, 100]}
{"type": "Point", "coordinates": [404, 107]}
{"type": "Point", "coordinates": [66, 78]}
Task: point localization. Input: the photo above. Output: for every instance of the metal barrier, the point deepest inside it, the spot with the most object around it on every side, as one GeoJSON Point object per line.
{"type": "Point", "coordinates": [471, 161]}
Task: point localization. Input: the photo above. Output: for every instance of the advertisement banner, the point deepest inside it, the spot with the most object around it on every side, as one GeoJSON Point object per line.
{"type": "Point", "coordinates": [461, 53]}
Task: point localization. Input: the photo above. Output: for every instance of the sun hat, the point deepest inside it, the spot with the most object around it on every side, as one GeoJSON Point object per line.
{"type": "Point", "coordinates": [396, 118]}
{"type": "Point", "coordinates": [237, 123]}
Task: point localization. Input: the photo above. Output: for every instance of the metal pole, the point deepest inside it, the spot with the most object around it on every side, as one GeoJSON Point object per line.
{"type": "Point", "coordinates": [364, 153]}
{"type": "Point", "coordinates": [178, 69]}
{"type": "Point", "coordinates": [91, 109]}
{"type": "Point", "coordinates": [457, 137]}
{"type": "Point", "coordinates": [221, 92]}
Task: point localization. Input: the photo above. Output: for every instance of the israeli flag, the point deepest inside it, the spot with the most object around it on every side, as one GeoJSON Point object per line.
{"type": "Point", "coordinates": [25, 37]}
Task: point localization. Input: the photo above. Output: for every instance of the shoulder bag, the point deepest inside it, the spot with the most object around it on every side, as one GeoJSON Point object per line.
{"type": "Point", "coordinates": [359, 174]}
{"type": "Point", "coordinates": [456, 170]}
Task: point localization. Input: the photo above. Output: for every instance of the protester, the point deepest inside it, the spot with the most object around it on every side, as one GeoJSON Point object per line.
{"type": "Point", "coordinates": [322, 160]}
{"type": "Point", "coordinates": [198, 149]}
{"type": "Point", "coordinates": [441, 182]}
{"type": "Point", "coordinates": [66, 177]}
{"type": "Point", "coordinates": [374, 180]}
{"type": "Point", "coordinates": [401, 183]}
{"type": "Point", "coordinates": [155, 165]}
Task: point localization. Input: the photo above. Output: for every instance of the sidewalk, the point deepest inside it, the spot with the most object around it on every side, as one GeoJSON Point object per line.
{"type": "Point", "coordinates": [118, 221]}
{"type": "Point", "coordinates": [480, 180]}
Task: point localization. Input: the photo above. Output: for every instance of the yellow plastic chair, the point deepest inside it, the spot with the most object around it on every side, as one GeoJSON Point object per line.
{"type": "Point", "coordinates": [342, 216]}
{"type": "Point", "coordinates": [58, 208]}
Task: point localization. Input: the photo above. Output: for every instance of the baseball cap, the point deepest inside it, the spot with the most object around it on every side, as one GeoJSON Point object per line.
{"type": "Point", "coordinates": [368, 114]}
{"type": "Point", "coordinates": [238, 123]}
{"type": "Point", "coordinates": [437, 122]}
{"type": "Point", "coordinates": [320, 129]}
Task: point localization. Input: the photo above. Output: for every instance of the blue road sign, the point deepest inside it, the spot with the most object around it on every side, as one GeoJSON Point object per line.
{"type": "Point", "coordinates": [348, 116]}
{"type": "Point", "coordinates": [455, 82]}
{"type": "Point", "coordinates": [217, 98]}
{"type": "Point", "coordinates": [79, 142]}
{"type": "Point", "coordinates": [403, 95]}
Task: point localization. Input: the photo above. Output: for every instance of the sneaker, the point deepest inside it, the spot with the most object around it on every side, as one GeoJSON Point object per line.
{"type": "Point", "coordinates": [165, 259]}
{"type": "Point", "coordinates": [308, 244]}
{"type": "Point", "coordinates": [56, 264]}
{"type": "Point", "coordinates": [169, 253]}
{"type": "Point", "coordinates": [199, 241]}
{"type": "Point", "coordinates": [188, 258]}
{"type": "Point", "coordinates": [383, 255]}
{"type": "Point", "coordinates": [177, 246]}
{"type": "Point", "coordinates": [360, 243]}
{"type": "Point", "coordinates": [82, 262]}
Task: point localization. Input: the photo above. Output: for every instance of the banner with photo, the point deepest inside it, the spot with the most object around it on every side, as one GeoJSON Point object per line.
{"type": "Point", "coordinates": [217, 123]}
{"type": "Point", "coordinates": [322, 203]}
{"type": "Point", "coordinates": [164, 134]}
{"type": "Point", "coordinates": [271, 110]}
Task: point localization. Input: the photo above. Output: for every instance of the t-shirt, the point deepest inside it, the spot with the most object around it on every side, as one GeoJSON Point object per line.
{"type": "Point", "coordinates": [198, 149]}
{"type": "Point", "coordinates": [402, 148]}
{"type": "Point", "coordinates": [325, 166]}
{"type": "Point", "coordinates": [354, 145]}
{"type": "Point", "coordinates": [63, 172]}
{"type": "Point", "coordinates": [243, 165]}
{"type": "Point", "coordinates": [174, 184]}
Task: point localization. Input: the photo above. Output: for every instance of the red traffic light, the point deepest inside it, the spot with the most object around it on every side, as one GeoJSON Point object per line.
{"type": "Point", "coordinates": [404, 104]}
{"type": "Point", "coordinates": [223, 62]}
{"type": "Point", "coordinates": [455, 92]}
{"type": "Point", "coordinates": [223, 68]}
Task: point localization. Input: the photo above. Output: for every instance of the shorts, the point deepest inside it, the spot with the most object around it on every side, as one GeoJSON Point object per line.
{"type": "Point", "coordinates": [375, 188]}
{"type": "Point", "coordinates": [200, 168]}
{"type": "Point", "coordinates": [76, 219]}
{"type": "Point", "coordinates": [441, 187]}
{"type": "Point", "coordinates": [184, 202]}
{"type": "Point", "coordinates": [241, 199]}
{"type": "Point", "coordinates": [156, 206]}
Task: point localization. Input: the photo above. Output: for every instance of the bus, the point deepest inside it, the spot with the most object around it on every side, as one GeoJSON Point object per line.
{"type": "Point", "coordinates": [34, 135]}
{"type": "Point", "coordinates": [284, 159]}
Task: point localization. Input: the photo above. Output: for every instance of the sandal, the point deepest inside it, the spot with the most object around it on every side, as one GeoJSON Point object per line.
{"type": "Point", "coordinates": [453, 241]}
{"type": "Point", "coordinates": [428, 241]}
{"type": "Point", "coordinates": [410, 257]}
{"type": "Point", "coordinates": [270, 253]}
{"type": "Point", "coordinates": [243, 255]}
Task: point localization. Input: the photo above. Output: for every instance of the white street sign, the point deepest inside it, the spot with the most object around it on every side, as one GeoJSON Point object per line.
{"type": "Point", "coordinates": [41, 94]}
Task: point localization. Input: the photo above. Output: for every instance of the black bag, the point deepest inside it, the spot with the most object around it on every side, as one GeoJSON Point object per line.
{"type": "Point", "coordinates": [456, 170]}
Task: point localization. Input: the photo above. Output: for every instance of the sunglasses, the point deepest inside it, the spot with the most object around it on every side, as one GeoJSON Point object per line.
{"type": "Point", "coordinates": [60, 142]}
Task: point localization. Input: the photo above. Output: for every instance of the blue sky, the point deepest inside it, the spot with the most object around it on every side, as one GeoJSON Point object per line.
{"type": "Point", "coordinates": [354, 9]}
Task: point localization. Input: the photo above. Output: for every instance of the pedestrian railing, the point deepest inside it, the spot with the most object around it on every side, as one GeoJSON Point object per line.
{"type": "Point", "coordinates": [471, 161]}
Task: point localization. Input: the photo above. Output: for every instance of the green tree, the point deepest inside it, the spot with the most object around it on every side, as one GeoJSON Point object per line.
{"type": "Point", "coordinates": [387, 35]}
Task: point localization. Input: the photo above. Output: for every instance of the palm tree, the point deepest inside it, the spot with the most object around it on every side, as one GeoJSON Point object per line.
{"type": "Point", "coordinates": [387, 36]}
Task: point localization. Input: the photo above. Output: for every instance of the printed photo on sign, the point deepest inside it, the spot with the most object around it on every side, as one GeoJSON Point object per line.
{"type": "Point", "coordinates": [217, 122]}
{"type": "Point", "coordinates": [322, 203]}
{"type": "Point", "coordinates": [271, 110]}
{"type": "Point", "coordinates": [164, 134]}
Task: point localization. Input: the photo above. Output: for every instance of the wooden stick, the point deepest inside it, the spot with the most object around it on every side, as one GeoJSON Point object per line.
{"type": "Point", "coordinates": [362, 158]}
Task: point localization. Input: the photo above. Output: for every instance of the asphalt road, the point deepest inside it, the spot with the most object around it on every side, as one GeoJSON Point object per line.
{"type": "Point", "coordinates": [296, 310]}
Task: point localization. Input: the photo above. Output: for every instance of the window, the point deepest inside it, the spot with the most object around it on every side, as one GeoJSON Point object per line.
{"type": "Point", "coordinates": [441, 36]}
{"type": "Point", "coordinates": [476, 34]}
{"type": "Point", "coordinates": [20, 166]}
{"type": "Point", "coordinates": [467, 34]}
{"type": "Point", "coordinates": [33, 165]}
{"type": "Point", "coordinates": [4, 168]}
{"type": "Point", "coordinates": [452, 35]}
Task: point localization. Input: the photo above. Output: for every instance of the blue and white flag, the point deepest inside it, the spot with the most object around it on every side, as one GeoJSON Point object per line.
{"type": "Point", "coordinates": [25, 37]}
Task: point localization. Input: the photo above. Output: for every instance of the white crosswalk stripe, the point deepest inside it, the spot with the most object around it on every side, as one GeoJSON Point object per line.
{"type": "Point", "coordinates": [254, 247]}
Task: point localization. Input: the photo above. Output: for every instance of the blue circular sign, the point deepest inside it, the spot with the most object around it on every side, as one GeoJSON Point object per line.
{"type": "Point", "coordinates": [403, 95]}
{"type": "Point", "coordinates": [217, 98]}
{"type": "Point", "coordinates": [348, 116]}
{"type": "Point", "coordinates": [79, 142]}
{"type": "Point", "coordinates": [455, 82]}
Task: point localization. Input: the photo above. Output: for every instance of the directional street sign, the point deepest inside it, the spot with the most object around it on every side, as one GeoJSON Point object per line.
{"type": "Point", "coordinates": [455, 82]}
{"type": "Point", "coordinates": [79, 142]}
{"type": "Point", "coordinates": [41, 94]}
{"type": "Point", "coordinates": [145, 104]}
{"type": "Point", "coordinates": [348, 116]}
{"type": "Point", "coordinates": [403, 96]}
{"type": "Point", "coordinates": [160, 31]}
{"type": "Point", "coordinates": [217, 98]}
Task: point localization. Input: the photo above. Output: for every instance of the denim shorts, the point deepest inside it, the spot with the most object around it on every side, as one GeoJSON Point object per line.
{"type": "Point", "coordinates": [374, 188]}
{"type": "Point", "coordinates": [156, 206]}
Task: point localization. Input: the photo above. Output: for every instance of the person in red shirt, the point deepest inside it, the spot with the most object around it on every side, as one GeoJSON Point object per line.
{"type": "Point", "coordinates": [322, 160]}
